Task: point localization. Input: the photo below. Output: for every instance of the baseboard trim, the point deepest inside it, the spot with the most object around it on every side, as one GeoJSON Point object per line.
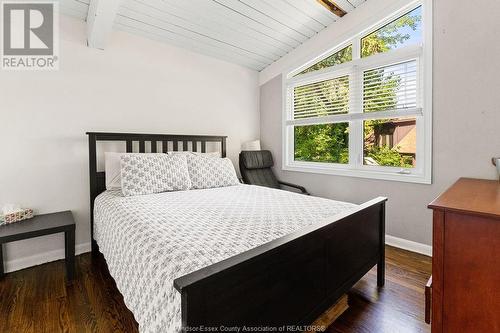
{"type": "Point", "coordinates": [42, 258]}
{"type": "Point", "coordinates": [408, 245]}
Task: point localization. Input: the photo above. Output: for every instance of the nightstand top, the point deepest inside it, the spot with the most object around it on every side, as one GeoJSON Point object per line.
{"type": "Point", "coordinates": [39, 225]}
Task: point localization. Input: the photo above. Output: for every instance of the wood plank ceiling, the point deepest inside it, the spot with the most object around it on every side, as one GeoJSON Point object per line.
{"type": "Point", "coordinates": [251, 33]}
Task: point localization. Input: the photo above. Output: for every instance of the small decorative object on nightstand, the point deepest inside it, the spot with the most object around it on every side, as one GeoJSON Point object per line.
{"type": "Point", "coordinates": [42, 225]}
{"type": "Point", "coordinates": [13, 213]}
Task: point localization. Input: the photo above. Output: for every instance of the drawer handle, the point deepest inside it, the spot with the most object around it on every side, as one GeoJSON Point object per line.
{"type": "Point", "coordinates": [428, 300]}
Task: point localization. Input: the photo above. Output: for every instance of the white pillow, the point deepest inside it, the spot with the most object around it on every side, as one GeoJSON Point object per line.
{"type": "Point", "coordinates": [153, 173]}
{"type": "Point", "coordinates": [112, 170]}
{"type": "Point", "coordinates": [209, 172]}
{"type": "Point", "coordinates": [211, 154]}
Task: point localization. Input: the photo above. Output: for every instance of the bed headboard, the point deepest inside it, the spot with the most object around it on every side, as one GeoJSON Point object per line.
{"type": "Point", "coordinates": [167, 142]}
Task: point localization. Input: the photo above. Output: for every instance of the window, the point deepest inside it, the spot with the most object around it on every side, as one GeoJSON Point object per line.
{"type": "Point", "coordinates": [390, 88]}
{"type": "Point", "coordinates": [339, 57]}
{"type": "Point", "coordinates": [390, 142]}
{"type": "Point", "coordinates": [405, 30]}
{"type": "Point", "coordinates": [327, 143]}
{"type": "Point", "coordinates": [364, 109]}
{"type": "Point", "coordinates": [322, 98]}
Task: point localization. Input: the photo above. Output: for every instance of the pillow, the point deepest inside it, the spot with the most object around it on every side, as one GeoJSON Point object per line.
{"type": "Point", "coordinates": [209, 172]}
{"type": "Point", "coordinates": [211, 154]}
{"type": "Point", "coordinates": [153, 173]}
{"type": "Point", "coordinates": [112, 170]}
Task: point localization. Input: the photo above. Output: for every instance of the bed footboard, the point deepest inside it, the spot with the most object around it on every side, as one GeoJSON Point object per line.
{"type": "Point", "coordinates": [290, 281]}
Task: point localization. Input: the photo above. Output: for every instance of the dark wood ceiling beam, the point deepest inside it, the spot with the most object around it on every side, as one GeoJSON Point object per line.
{"type": "Point", "coordinates": [333, 7]}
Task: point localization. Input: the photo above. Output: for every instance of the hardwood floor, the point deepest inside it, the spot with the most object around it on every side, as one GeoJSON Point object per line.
{"type": "Point", "coordinates": [38, 299]}
{"type": "Point", "coordinates": [397, 307]}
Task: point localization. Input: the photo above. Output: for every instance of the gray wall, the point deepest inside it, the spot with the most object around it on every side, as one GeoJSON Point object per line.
{"type": "Point", "coordinates": [466, 122]}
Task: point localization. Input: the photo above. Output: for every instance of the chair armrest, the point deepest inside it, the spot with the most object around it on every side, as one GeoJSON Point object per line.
{"type": "Point", "coordinates": [298, 187]}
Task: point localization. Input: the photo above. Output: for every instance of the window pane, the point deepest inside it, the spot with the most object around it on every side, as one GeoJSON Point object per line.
{"type": "Point", "coordinates": [322, 98]}
{"type": "Point", "coordinates": [322, 143]}
{"type": "Point", "coordinates": [390, 142]}
{"type": "Point", "coordinates": [406, 30]}
{"type": "Point", "coordinates": [392, 87]}
{"type": "Point", "coordinates": [344, 55]}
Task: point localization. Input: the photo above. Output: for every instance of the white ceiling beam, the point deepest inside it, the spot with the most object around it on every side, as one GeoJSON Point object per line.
{"type": "Point", "coordinates": [100, 20]}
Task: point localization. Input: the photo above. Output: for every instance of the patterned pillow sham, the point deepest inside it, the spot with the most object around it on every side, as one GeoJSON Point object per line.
{"type": "Point", "coordinates": [153, 173]}
{"type": "Point", "coordinates": [209, 172]}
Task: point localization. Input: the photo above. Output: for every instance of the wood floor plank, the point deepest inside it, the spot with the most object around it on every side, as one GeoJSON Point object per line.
{"type": "Point", "coordinates": [49, 282]}
{"type": "Point", "coordinates": [10, 290]}
{"type": "Point", "coordinates": [398, 306]}
{"type": "Point", "coordinates": [21, 309]}
{"type": "Point", "coordinates": [39, 299]}
{"type": "Point", "coordinates": [52, 316]}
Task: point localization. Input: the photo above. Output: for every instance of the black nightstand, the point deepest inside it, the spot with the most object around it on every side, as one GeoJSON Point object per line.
{"type": "Point", "coordinates": [42, 225]}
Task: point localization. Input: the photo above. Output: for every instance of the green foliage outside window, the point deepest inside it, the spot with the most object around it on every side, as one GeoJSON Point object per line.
{"type": "Point", "coordinates": [333, 98]}
{"type": "Point", "coordinates": [389, 157]}
{"type": "Point", "coordinates": [329, 142]}
{"type": "Point", "coordinates": [344, 55]}
{"type": "Point", "coordinates": [322, 143]}
{"type": "Point", "coordinates": [392, 35]}
{"type": "Point", "coordinates": [383, 155]}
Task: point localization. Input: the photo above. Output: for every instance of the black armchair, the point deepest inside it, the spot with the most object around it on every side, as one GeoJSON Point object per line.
{"type": "Point", "coordinates": [255, 168]}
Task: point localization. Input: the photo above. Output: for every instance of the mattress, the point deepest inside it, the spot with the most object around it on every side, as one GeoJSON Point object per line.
{"type": "Point", "coordinates": [150, 240]}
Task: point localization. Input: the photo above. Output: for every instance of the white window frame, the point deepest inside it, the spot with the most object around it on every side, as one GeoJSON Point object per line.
{"type": "Point", "coordinates": [422, 173]}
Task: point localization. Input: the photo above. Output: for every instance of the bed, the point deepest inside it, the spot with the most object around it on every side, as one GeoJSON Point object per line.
{"type": "Point", "coordinates": [229, 257]}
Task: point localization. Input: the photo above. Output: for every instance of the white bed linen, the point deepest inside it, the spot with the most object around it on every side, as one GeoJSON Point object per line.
{"type": "Point", "coordinates": [150, 240]}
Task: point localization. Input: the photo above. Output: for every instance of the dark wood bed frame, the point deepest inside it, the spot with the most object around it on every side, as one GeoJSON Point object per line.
{"type": "Point", "coordinates": [286, 283]}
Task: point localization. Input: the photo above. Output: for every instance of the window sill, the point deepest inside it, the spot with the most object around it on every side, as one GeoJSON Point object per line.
{"type": "Point", "coordinates": [359, 173]}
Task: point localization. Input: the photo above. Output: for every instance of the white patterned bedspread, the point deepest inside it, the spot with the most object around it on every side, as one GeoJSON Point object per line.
{"type": "Point", "coordinates": [150, 240]}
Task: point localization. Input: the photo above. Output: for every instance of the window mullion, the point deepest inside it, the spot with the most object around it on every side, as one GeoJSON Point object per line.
{"type": "Point", "coordinates": [355, 107]}
{"type": "Point", "coordinates": [288, 136]}
{"type": "Point", "coordinates": [355, 128]}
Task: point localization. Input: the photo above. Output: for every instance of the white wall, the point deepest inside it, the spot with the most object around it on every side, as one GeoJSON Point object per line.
{"type": "Point", "coordinates": [466, 118]}
{"type": "Point", "coordinates": [135, 85]}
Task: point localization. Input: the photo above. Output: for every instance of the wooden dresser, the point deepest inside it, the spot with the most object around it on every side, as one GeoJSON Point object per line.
{"type": "Point", "coordinates": [465, 285]}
